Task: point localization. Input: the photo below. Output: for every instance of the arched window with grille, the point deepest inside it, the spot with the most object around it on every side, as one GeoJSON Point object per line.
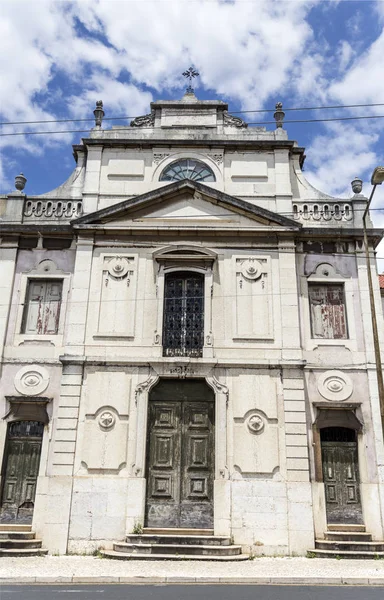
{"type": "Point", "coordinates": [183, 322]}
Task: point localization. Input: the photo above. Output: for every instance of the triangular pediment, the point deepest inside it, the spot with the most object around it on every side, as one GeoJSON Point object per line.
{"type": "Point", "coordinates": [183, 204]}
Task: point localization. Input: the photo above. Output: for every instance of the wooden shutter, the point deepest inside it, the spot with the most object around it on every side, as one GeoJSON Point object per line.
{"type": "Point", "coordinates": [327, 307]}
{"type": "Point", "coordinates": [42, 309]}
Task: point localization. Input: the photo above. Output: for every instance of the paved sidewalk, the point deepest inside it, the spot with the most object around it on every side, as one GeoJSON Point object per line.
{"type": "Point", "coordinates": [88, 569]}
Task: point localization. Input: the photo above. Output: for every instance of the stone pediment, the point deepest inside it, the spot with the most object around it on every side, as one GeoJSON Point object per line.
{"type": "Point", "coordinates": [183, 204]}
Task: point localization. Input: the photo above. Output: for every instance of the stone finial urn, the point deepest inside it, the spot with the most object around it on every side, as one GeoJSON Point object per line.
{"type": "Point", "coordinates": [20, 182]}
{"type": "Point", "coordinates": [279, 115]}
{"type": "Point", "coordinates": [99, 113]}
{"type": "Point", "coordinates": [357, 185]}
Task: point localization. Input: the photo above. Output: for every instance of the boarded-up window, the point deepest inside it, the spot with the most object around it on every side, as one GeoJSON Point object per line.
{"type": "Point", "coordinates": [42, 306]}
{"type": "Point", "coordinates": [327, 307]}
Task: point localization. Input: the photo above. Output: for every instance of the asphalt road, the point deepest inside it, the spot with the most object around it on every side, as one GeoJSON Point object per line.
{"type": "Point", "coordinates": [188, 592]}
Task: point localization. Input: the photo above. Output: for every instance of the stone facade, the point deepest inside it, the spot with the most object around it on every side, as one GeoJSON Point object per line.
{"type": "Point", "coordinates": [260, 235]}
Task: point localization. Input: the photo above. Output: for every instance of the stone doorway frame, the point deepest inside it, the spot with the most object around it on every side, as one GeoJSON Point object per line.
{"type": "Point", "coordinates": [342, 414]}
{"type": "Point", "coordinates": [221, 495]}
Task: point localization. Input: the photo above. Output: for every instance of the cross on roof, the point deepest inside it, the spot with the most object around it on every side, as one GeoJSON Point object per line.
{"type": "Point", "coordinates": [190, 74]}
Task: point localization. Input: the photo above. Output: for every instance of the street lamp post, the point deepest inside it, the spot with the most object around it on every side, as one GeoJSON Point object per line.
{"type": "Point", "coordinates": [376, 179]}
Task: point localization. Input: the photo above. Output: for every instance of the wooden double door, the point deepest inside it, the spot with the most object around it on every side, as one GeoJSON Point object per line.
{"type": "Point", "coordinates": [180, 455]}
{"type": "Point", "coordinates": [20, 471]}
{"type": "Point", "coordinates": [341, 475]}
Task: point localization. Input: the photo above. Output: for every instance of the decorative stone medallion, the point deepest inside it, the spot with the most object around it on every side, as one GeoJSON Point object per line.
{"type": "Point", "coordinates": [255, 423]}
{"type": "Point", "coordinates": [335, 385]}
{"type": "Point", "coordinates": [107, 420]}
{"type": "Point", "coordinates": [251, 269]}
{"type": "Point", "coordinates": [118, 266]}
{"type": "Point", "coordinates": [31, 380]}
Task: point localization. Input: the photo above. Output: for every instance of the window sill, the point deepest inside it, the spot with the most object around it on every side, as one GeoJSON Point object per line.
{"type": "Point", "coordinates": [348, 343]}
{"type": "Point", "coordinates": [30, 339]}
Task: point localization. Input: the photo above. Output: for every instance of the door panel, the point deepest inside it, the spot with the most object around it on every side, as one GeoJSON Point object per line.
{"type": "Point", "coordinates": [163, 485]}
{"type": "Point", "coordinates": [197, 465]}
{"type": "Point", "coordinates": [341, 482]}
{"type": "Point", "coordinates": [20, 471]}
{"type": "Point", "coordinates": [180, 464]}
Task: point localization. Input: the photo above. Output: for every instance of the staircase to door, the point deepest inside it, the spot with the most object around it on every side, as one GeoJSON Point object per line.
{"type": "Point", "coordinates": [176, 544]}
{"type": "Point", "coordinates": [19, 540]}
{"type": "Point", "coordinates": [347, 541]}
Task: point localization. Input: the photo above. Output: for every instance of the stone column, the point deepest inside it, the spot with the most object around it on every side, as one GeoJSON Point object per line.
{"type": "Point", "coordinates": [222, 485]}
{"type": "Point", "coordinates": [54, 496]}
{"type": "Point", "coordinates": [137, 483]}
{"type": "Point", "coordinates": [78, 302]}
{"type": "Point", "coordinates": [283, 182]}
{"type": "Point", "coordinates": [299, 494]}
{"type": "Point", "coordinates": [8, 258]}
{"type": "Point", "coordinates": [54, 493]}
{"type": "Point", "coordinates": [92, 179]}
{"type": "Point", "coordinates": [374, 496]}
{"type": "Point", "coordinates": [289, 298]}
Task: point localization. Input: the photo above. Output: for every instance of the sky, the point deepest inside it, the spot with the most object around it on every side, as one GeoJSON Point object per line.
{"type": "Point", "coordinates": [58, 57]}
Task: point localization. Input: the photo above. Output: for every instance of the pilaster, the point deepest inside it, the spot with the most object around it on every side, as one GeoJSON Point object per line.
{"type": "Point", "coordinates": [8, 257]}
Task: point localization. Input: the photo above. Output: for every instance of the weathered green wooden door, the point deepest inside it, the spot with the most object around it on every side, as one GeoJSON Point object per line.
{"type": "Point", "coordinates": [180, 457]}
{"type": "Point", "coordinates": [341, 475]}
{"type": "Point", "coordinates": [20, 471]}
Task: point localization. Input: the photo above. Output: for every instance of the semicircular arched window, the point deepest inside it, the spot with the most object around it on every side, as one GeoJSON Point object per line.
{"type": "Point", "coordinates": [187, 168]}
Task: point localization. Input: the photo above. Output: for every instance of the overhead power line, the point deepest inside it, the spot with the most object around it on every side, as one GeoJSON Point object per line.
{"type": "Point", "coordinates": [115, 129]}
{"type": "Point", "coordinates": [237, 112]}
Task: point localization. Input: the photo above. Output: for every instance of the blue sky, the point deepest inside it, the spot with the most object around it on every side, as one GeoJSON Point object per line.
{"type": "Point", "coordinates": [59, 57]}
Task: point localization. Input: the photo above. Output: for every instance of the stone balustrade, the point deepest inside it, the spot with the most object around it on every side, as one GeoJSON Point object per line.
{"type": "Point", "coordinates": [52, 209]}
{"type": "Point", "coordinates": [322, 211]}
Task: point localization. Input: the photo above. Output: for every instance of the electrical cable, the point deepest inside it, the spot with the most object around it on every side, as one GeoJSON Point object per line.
{"type": "Point", "coordinates": [237, 112]}
{"type": "Point", "coordinates": [116, 129]}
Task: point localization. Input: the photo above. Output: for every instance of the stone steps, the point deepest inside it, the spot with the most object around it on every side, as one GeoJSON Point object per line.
{"type": "Point", "coordinates": [16, 544]}
{"type": "Point", "coordinates": [185, 549]}
{"type": "Point", "coordinates": [176, 531]}
{"type": "Point", "coordinates": [16, 535]}
{"type": "Point", "coordinates": [140, 556]}
{"type": "Point", "coordinates": [14, 527]}
{"type": "Point", "coordinates": [349, 546]}
{"type": "Point", "coordinates": [341, 536]}
{"type": "Point", "coordinates": [346, 554]}
{"type": "Point", "coordinates": [350, 527]}
{"type": "Point", "coordinates": [23, 552]}
{"type": "Point", "coordinates": [350, 541]}
{"type": "Point", "coordinates": [175, 544]}
{"type": "Point", "coordinates": [19, 540]}
{"type": "Point", "coordinates": [207, 540]}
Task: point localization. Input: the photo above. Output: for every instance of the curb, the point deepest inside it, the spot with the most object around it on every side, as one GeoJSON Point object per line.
{"type": "Point", "coordinates": [359, 581]}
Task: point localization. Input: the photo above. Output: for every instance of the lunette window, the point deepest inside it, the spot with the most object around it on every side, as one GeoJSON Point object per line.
{"type": "Point", "coordinates": [327, 311]}
{"type": "Point", "coordinates": [187, 168]}
{"type": "Point", "coordinates": [42, 307]}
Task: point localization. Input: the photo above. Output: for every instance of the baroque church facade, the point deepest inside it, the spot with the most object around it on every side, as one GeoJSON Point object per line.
{"type": "Point", "coordinates": [186, 342]}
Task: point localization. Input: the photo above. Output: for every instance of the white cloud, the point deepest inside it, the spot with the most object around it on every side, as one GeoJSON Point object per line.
{"type": "Point", "coordinates": [81, 51]}
{"type": "Point", "coordinates": [345, 54]}
{"type": "Point", "coordinates": [364, 81]}
{"type": "Point", "coordinates": [119, 98]}
{"type": "Point", "coordinates": [340, 154]}
{"type": "Point", "coordinates": [380, 9]}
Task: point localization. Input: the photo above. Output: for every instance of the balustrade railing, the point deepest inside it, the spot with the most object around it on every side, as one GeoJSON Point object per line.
{"type": "Point", "coordinates": [52, 209]}
{"type": "Point", "coordinates": [322, 211]}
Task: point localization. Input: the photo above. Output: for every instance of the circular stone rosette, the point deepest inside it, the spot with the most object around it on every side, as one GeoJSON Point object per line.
{"type": "Point", "coordinates": [335, 385]}
{"type": "Point", "coordinates": [31, 380]}
{"type": "Point", "coordinates": [118, 266]}
{"type": "Point", "coordinates": [251, 269]}
{"type": "Point", "coordinates": [255, 423]}
{"type": "Point", "coordinates": [107, 420]}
